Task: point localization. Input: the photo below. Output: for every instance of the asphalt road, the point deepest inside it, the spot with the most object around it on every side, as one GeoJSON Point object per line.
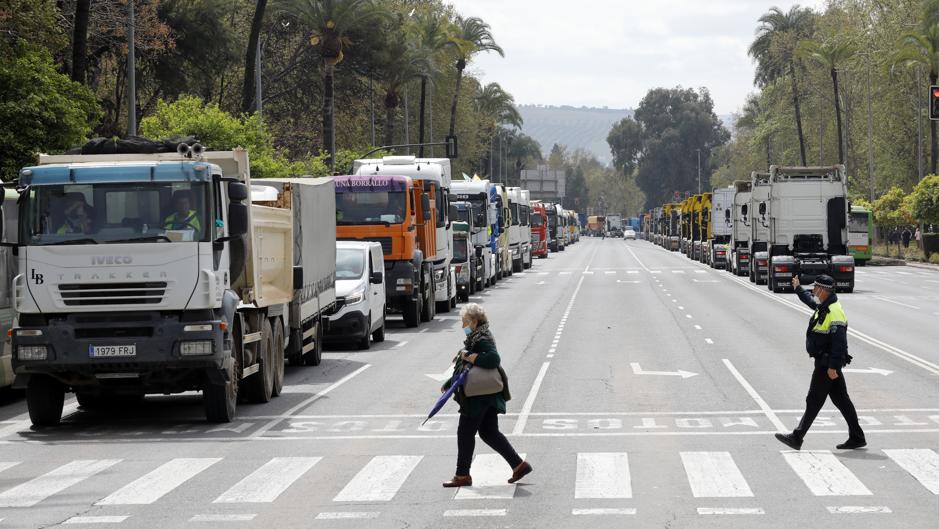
{"type": "Point", "coordinates": [646, 388]}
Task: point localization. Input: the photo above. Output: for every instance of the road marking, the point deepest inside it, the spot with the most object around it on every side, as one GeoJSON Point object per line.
{"type": "Point", "coordinates": [95, 519]}
{"type": "Point", "coordinates": [859, 509]}
{"type": "Point", "coordinates": [678, 271]}
{"type": "Point", "coordinates": [586, 272]}
{"type": "Point", "coordinates": [888, 300]}
{"type": "Point", "coordinates": [602, 512]}
{"type": "Point", "coordinates": [265, 484]}
{"type": "Point", "coordinates": [564, 273]}
{"type": "Point", "coordinates": [222, 518]}
{"type": "Point", "coordinates": [490, 473]}
{"type": "Point", "coordinates": [681, 308]}
{"type": "Point", "coordinates": [550, 356]}
{"type": "Point", "coordinates": [440, 377]}
{"type": "Point", "coordinates": [401, 344]}
{"type": "Point", "coordinates": [714, 475]}
{"type": "Point", "coordinates": [700, 271]}
{"type": "Point", "coordinates": [824, 474]}
{"type": "Point", "coordinates": [871, 370]}
{"type": "Point", "coordinates": [637, 370]}
{"type": "Point", "coordinates": [709, 341]}
{"type": "Point", "coordinates": [688, 316]}
{"type": "Point", "coordinates": [610, 272]}
{"type": "Point", "coordinates": [922, 464]}
{"type": "Point", "coordinates": [422, 331]}
{"type": "Point", "coordinates": [474, 512]}
{"type": "Point", "coordinates": [7, 464]}
{"type": "Point", "coordinates": [770, 414]}
{"type": "Point", "coordinates": [38, 489]}
{"type": "Point", "coordinates": [347, 515]}
{"type": "Point", "coordinates": [380, 479]}
{"type": "Point", "coordinates": [698, 327]}
{"type": "Point", "coordinates": [730, 510]}
{"type": "Point", "coordinates": [156, 484]}
{"type": "Point", "coordinates": [632, 271]}
{"type": "Point", "coordinates": [603, 476]}
{"type": "Point", "coordinates": [530, 400]}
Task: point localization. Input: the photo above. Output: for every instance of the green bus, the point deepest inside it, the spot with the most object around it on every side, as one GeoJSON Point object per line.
{"type": "Point", "coordinates": [861, 234]}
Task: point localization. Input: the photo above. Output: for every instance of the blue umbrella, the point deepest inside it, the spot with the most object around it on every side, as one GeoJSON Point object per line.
{"type": "Point", "coordinates": [457, 382]}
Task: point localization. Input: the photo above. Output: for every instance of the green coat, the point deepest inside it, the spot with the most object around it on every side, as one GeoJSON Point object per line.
{"type": "Point", "coordinates": [488, 357]}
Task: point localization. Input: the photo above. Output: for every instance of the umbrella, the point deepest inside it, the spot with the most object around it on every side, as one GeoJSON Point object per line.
{"type": "Point", "coordinates": [457, 382]}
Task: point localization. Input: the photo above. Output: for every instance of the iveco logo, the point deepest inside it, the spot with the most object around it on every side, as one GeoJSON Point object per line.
{"type": "Point", "coordinates": [111, 259]}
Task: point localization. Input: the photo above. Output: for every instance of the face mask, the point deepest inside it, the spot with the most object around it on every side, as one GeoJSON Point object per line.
{"type": "Point", "coordinates": [467, 331]}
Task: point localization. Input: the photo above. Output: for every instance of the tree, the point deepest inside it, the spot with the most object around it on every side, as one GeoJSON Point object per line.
{"type": "Point", "coordinates": [80, 40]}
{"type": "Point", "coordinates": [249, 89]}
{"type": "Point", "coordinates": [831, 53]}
{"type": "Point", "coordinates": [471, 36]}
{"type": "Point", "coordinates": [890, 211]}
{"type": "Point", "coordinates": [399, 62]}
{"type": "Point", "coordinates": [924, 200]}
{"type": "Point", "coordinates": [625, 140]}
{"type": "Point", "coordinates": [432, 32]}
{"type": "Point", "coordinates": [774, 50]}
{"type": "Point", "coordinates": [499, 105]}
{"type": "Point", "coordinates": [922, 48]}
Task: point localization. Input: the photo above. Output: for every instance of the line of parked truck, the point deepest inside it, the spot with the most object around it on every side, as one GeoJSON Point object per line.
{"type": "Point", "coordinates": [134, 274]}
{"type": "Point", "coordinates": [778, 224]}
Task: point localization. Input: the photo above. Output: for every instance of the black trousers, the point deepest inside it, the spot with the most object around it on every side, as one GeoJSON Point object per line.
{"type": "Point", "coordinates": [821, 388]}
{"type": "Point", "coordinates": [487, 424]}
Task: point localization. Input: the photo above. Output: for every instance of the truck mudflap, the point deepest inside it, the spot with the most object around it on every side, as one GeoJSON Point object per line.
{"type": "Point", "coordinates": [781, 270]}
{"type": "Point", "coordinates": [402, 284]}
{"type": "Point", "coordinates": [842, 271]}
{"type": "Point", "coordinates": [742, 255]}
{"type": "Point", "coordinates": [760, 266]}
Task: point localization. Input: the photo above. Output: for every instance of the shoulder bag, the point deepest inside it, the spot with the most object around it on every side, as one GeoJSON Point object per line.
{"type": "Point", "coordinates": [482, 381]}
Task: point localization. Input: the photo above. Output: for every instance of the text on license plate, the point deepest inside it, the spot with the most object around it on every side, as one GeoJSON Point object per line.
{"type": "Point", "coordinates": [101, 351]}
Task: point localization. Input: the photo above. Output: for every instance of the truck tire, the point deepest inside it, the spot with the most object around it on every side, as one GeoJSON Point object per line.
{"type": "Point", "coordinates": [259, 387]}
{"type": "Point", "coordinates": [45, 397]}
{"type": "Point", "coordinates": [365, 342]}
{"type": "Point", "coordinates": [412, 313]}
{"type": "Point", "coordinates": [221, 400]}
{"type": "Point", "coordinates": [314, 357]}
{"type": "Point", "coordinates": [278, 356]}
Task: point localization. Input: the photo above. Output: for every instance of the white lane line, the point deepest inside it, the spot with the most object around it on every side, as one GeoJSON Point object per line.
{"type": "Point", "coordinates": [698, 327]}
{"type": "Point", "coordinates": [550, 356]}
{"type": "Point", "coordinates": [265, 484]}
{"type": "Point", "coordinates": [7, 464]}
{"type": "Point", "coordinates": [380, 479]}
{"type": "Point", "coordinates": [422, 331]}
{"type": "Point", "coordinates": [610, 272]}
{"type": "Point", "coordinates": [730, 510]}
{"type": "Point", "coordinates": [348, 515]}
{"type": "Point", "coordinates": [700, 271]}
{"type": "Point", "coordinates": [767, 410]}
{"type": "Point", "coordinates": [38, 489]}
{"type": "Point", "coordinates": [452, 513]}
{"type": "Point", "coordinates": [264, 429]}
{"type": "Point", "coordinates": [922, 464]}
{"type": "Point", "coordinates": [644, 267]}
{"type": "Point", "coordinates": [860, 509]}
{"type": "Point", "coordinates": [490, 473]}
{"type": "Point", "coordinates": [688, 316]}
{"type": "Point", "coordinates": [401, 344]}
{"type": "Point", "coordinates": [824, 474]}
{"type": "Point", "coordinates": [222, 518]}
{"type": "Point", "coordinates": [714, 475]}
{"type": "Point", "coordinates": [603, 512]}
{"type": "Point", "coordinates": [681, 307]}
{"type": "Point", "coordinates": [158, 483]}
{"type": "Point", "coordinates": [530, 400]}
{"type": "Point", "coordinates": [95, 519]}
{"type": "Point", "coordinates": [678, 271]}
{"type": "Point", "coordinates": [602, 476]}
{"type": "Point", "coordinates": [709, 341]}
{"type": "Point", "coordinates": [888, 300]}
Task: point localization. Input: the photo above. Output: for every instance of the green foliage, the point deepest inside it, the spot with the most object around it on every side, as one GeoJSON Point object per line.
{"type": "Point", "coordinates": [862, 202]}
{"type": "Point", "coordinates": [890, 210]}
{"type": "Point", "coordinates": [934, 258]}
{"type": "Point", "coordinates": [41, 110]}
{"type": "Point", "coordinates": [924, 200]}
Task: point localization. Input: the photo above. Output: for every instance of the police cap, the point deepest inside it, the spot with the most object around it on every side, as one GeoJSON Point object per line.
{"type": "Point", "coordinates": [825, 281]}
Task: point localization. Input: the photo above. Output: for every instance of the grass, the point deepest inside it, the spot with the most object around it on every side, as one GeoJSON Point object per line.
{"type": "Point", "coordinates": [910, 254]}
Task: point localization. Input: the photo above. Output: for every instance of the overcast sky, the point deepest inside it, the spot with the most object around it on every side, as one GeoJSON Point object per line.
{"type": "Point", "coordinates": [611, 52]}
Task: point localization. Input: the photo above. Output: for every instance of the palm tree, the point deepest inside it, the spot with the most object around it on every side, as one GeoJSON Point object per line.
{"type": "Point", "coordinates": [329, 22]}
{"type": "Point", "coordinates": [774, 52]}
{"type": "Point", "coordinates": [831, 53]}
{"type": "Point", "coordinates": [470, 37]}
{"type": "Point", "coordinates": [521, 149]}
{"type": "Point", "coordinates": [399, 61]}
{"type": "Point", "coordinates": [433, 37]}
{"type": "Point", "coordinates": [248, 89]}
{"type": "Point", "coordinates": [498, 106]}
{"type": "Point", "coordinates": [922, 48]}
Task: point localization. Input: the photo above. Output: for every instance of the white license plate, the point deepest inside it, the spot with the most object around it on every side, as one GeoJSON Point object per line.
{"type": "Point", "coordinates": [107, 351]}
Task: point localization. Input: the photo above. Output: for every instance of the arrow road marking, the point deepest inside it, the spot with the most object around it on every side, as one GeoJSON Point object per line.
{"type": "Point", "coordinates": [442, 376]}
{"type": "Point", "coordinates": [871, 370]}
{"type": "Point", "coordinates": [683, 374]}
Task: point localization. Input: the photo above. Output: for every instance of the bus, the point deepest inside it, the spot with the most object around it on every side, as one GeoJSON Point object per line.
{"type": "Point", "coordinates": [861, 235]}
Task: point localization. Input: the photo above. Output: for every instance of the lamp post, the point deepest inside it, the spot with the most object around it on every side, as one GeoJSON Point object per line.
{"type": "Point", "coordinates": [699, 170]}
{"type": "Point", "coordinates": [131, 72]}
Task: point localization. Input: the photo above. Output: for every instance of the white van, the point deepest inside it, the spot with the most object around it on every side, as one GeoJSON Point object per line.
{"type": "Point", "coordinates": [360, 294]}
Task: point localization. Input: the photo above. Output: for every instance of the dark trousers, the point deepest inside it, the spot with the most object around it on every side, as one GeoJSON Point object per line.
{"type": "Point", "coordinates": [821, 388]}
{"type": "Point", "coordinates": [487, 425]}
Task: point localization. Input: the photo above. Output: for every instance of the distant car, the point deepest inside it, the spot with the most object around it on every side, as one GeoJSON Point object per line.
{"type": "Point", "coordinates": [360, 294]}
{"type": "Point", "coordinates": [616, 232]}
{"type": "Point", "coordinates": [629, 234]}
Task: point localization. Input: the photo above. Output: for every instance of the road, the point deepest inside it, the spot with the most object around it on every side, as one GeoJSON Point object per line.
{"type": "Point", "coordinates": [646, 388]}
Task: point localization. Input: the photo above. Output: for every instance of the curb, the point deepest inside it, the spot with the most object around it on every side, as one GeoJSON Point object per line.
{"type": "Point", "coordinates": [924, 266]}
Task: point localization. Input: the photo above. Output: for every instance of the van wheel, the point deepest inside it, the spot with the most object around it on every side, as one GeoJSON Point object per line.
{"type": "Point", "coordinates": [412, 313]}
{"type": "Point", "coordinates": [278, 357]}
{"type": "Point", "coordinates": [365, 342]}
{"type": "Point", "coordinates": [314, 357]}
{"type": "Point", "coordinates": [379, 335]}
{"type": "Point", "coordinates": [260, 386]}
{"type": "Point", "coordinates": [45, 397]}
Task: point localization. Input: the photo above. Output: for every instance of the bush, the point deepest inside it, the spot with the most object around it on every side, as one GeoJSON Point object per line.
{"type": "Point", "coordinates": [934, 258]}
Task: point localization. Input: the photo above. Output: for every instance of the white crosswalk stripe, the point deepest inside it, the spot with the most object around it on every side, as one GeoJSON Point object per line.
{"type": "Point", "coordinates": [922, 464]}
{"type": "Point", "coordinates": [603, 475]}
{"type": "Point", "coordinates": [490, 474]}
{"type": "Point", "coordinates": [159, 482]}
{"type": "Point", "coordinates": [38, 489]}
{"type": "Point", "coordinates": [824, 474]}
{"type": "Point", "coordinates": [380, 480]}
{"type": "Point", "coordinates": [714, 475]}
{"type": "Point", "coordinates": [265, 484]}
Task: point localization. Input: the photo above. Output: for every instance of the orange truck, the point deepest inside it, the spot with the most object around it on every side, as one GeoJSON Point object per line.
{"type": "Point", "coordinates": [399, 213]}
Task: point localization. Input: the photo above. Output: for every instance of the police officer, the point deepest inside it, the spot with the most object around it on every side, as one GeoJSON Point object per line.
{"type": "Point", "coordinates": [826, 340]}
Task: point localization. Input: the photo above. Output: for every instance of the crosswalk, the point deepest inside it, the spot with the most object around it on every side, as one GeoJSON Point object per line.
{"type": "Point", "coordinates": [597, 476]}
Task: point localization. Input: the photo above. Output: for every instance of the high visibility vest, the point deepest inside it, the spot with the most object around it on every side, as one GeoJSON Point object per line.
{"type": "Point", "coordinates": [835, 317]}
{"type": "Point", "coordinates": [191, 221]}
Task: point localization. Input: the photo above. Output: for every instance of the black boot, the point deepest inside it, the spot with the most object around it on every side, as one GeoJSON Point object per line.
{"type": "Point", "coordinates": [791, 440]}
{"type": "Point", "coordinates": [852, 443]}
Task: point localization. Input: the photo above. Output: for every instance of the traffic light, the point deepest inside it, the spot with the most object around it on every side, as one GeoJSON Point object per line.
{"type": "Point", "coordinates": [934, 102]}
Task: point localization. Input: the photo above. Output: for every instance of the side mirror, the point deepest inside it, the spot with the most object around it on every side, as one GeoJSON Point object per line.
{"type": "Point", "coordinates": [298, 278]}
{"type": "Point", "coordinates": [376, 278]}
{"type": "Point", "coordinates": [727, 215]}
{"type": "Point", "coordinates": [237, 219]}
{"type": "Point", "coordinates": [744, 210]}
{"type": "Point", "coordinates": [237, 191]}
{"type": "Point", "coordinates": [762, 209]}
{"type": "Point", "coordinates": [480, 219]}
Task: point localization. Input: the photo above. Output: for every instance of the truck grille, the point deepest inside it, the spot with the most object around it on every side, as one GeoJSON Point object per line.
{"type": "Point", "coordinates": [385, 243]}
{"type": "Point", "coordinates": [89, 294]}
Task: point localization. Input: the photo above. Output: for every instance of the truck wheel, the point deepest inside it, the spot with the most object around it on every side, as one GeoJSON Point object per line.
{"type": "Point", "coordinates": [412, 313]}
{"type": "Point", "coordinates": [379, 335]}
{"type": "Point", "coordinates": [260, 386]}
{"type": "Point", "coordinates": [221, 400]}
{"type": "Point", "coordinates": [45, 397]}
{"type": "Point", "coordinates": [314, 357]}
{"type": "Point", "coordinates": [278, 356]}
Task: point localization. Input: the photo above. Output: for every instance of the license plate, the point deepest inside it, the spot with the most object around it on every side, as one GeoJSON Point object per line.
{"type": "Point", "coordinates": [108, 351]}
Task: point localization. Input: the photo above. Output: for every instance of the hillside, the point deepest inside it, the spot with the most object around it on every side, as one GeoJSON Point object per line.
{"type": "Point", "coordinates": [574, 127]}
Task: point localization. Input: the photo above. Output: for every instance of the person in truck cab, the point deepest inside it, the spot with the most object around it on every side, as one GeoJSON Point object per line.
{"type": "Point", "coordinates": [77, 215]}
{"type": "Point", "coordinates": [184, 217]}
{"type": "Point", "coordinates": [826, 341]}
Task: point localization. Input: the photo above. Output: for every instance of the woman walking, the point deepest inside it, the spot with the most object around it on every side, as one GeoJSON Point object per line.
{"type": "Point", "coordinates": [479, 412]}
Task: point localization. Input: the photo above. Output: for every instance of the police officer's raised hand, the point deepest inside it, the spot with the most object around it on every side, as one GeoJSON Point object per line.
{"type": "Point", "coordinates": [832, 373]}
{"type": "Point", "coordinates": [795, 282]}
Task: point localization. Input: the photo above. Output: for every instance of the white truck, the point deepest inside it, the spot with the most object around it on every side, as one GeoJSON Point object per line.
{"type": "Point", "coordinates": [436, 170]}
{"type": "Point", "coordinates": [759, 227]}
{"type": "Point", "coordinates": [520, 229]}
{"type": "Point", "coordinates": [7, 273]}
{"type": "Point", "coordinates": [809, 226]}
{"type": "Point", "coordinates": [479, 194]}
{"type": "Point", "coordinates": [154, 273]}
{"type": "Point", "coordinates": [739, 258]}
{"type": "Point", "coordinates": [722, 210]}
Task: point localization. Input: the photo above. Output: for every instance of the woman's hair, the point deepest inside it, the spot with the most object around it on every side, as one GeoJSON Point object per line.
{"type": "Point", "coordinates": [474, 311]}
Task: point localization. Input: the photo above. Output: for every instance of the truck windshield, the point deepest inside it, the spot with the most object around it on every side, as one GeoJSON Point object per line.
{"type": "Point", "coordinates": [117, 213]}
{"type": "Point", "coordinates": [459, 250]}
{"type": "Point", "coordinates": [552, 219]}
{"type": "Point", "coordinates": [537, 220]}
{"type": "Point", "coordinates": [370, 207]}
{"type": "Point", "coordinates": [516, 214]}
{"type": "Point", "coordinates": [350, 263]}
{"type": "Point", "coordinates": [858, 222]}
{"type": "Point", "coordinates": [462, 215]}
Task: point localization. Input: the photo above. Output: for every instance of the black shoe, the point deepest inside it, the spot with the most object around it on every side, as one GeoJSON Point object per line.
{"type": "Point", "coordinates": [790, 440]}
{"type": "Point", "coordinates": [852, 444]}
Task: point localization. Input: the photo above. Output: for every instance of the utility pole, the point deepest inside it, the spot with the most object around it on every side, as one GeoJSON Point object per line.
{"type": "Point", "coordinates": [699, 170]}
{"type": "Point", "coordinates": [257, 78]}
{"type": "Point", "coordinates": [371, 98]}
{"type": "Point", "coordinates": [407, 119]}
{"type": "Point", "coordinates": [131, 73]}
{"type": "Point", "coordinates": [870, 131]}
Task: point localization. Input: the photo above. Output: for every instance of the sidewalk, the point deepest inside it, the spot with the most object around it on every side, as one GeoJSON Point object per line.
{"type": "Point", "coordinates": [880, 260]}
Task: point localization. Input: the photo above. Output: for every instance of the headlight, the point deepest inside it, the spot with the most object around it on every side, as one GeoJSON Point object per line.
{"type": "Point", "coordinates": [32, 352]}
{"type": "Point", "coordinates": [355, 297]}
{"type": "Point", "coordinates": [196, 348]}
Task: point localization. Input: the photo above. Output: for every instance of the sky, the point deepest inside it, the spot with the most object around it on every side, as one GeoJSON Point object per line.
{"type": "Point", "coordinates": [611, 52]}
